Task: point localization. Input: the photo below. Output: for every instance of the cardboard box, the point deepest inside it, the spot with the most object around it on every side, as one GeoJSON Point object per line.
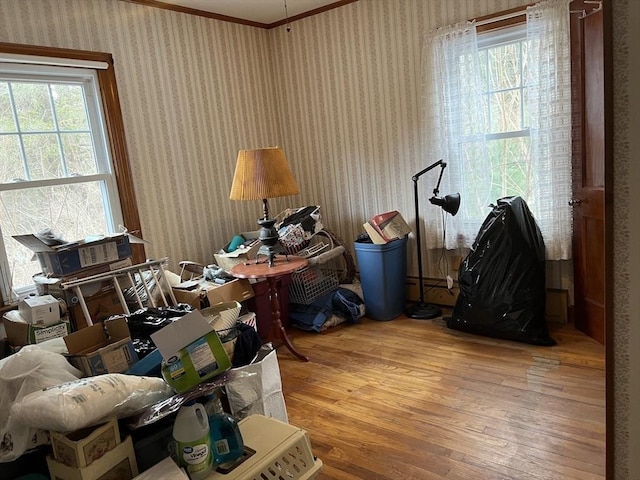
{"type": "Point", "coordinates": [192, 351]}
{"type": "Point", "coordinates": [101, 297]}
{"type": "Point", "coordinates": [226, 260]}
{"type": "Point", "coordinates": [389, 225]}
{"type": "Point", "coordinates": [193, 293]}
{"type": "Point", "coordinates": [20, 333]}
{"type": "Point", "coordinates": [104, 304]}
{"type": "Point", "coordinates": [102, 348]}
{"type": "Point", "coordinates": [117, 464]}
{"type": "Point", "coordinates": [52, 285]}
{"type": "Point", "coordinates": [69, 258]}
{"type": "Point", "coordinates": [82, 447]}
{"type": "Point", "coordinates": [164, 470]}
{"type": "Point", "coordinates": [43, 310]}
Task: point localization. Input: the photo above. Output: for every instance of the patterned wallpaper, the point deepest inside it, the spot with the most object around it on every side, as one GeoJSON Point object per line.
{"type": "Point", "coordinates": [626, 318]}
{"type": "Point", "coordinates": [339, 92]}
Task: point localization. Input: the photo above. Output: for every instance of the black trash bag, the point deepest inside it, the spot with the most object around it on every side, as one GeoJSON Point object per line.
{"type": "Point", "coordinates": [502, 279]}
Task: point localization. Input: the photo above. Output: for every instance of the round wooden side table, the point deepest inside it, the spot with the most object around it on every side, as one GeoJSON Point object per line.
{"type": "Point", "coordinates": [282, 265]}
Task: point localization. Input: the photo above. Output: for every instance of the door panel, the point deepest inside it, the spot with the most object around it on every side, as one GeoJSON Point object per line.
{"type": "Point", "coordinates": [589, 185]}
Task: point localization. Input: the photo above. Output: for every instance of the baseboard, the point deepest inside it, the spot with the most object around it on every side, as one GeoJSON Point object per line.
{"type": "Point", "coordinates": [435, 291]}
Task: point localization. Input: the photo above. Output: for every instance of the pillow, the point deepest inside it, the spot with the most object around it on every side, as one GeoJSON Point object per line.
{"type": "Point", "coordinates": [89, 401]}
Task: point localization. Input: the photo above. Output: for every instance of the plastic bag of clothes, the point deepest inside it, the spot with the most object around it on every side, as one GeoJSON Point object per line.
{"type": "Point", "coordinates": [341, 301]}
{"type": "Point", "coordinates": [502, 280]}
{"type": "Point", "coordinates": [28, 371]}
{"type": "Point", "coordinates": [145, 321]}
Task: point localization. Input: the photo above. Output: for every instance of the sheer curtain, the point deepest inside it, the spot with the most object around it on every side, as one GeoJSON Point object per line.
{"type": "Point", "coordinates": [455, 122]}
{"type": "Point", "coordinates": [549, 81]}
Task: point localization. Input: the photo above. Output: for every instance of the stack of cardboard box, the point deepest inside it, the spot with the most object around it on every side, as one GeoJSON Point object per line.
{"type": "Point", "coordinates": [81, 259]}
{"type": "Point", "coordinates": [90, 453]}
{"type": "Point", "coordinates": [36, 320]}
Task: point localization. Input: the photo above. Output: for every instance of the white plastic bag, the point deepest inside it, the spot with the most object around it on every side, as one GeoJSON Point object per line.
{"type": "Point", "coordinates": [89, 401]}
{"type": "Point", "coordinates": [259, 392]}
{"type": "Point", "coordinates": [29, 370]}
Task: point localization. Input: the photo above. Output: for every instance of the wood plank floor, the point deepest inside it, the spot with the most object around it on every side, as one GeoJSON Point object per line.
{"type": "Point", "coordinates": [412, 399]}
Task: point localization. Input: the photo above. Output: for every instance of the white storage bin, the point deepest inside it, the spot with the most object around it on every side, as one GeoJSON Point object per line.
{"type": "Point", "coordinates": [282, 451]}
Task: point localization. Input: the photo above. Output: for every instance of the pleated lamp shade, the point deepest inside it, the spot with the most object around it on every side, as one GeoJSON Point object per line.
{"type": "Point", "coordinates": [262, 173]}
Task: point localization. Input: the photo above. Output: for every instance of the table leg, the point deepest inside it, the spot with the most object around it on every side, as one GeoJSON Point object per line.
{"type": "Point", "coordinates": [275, 315]}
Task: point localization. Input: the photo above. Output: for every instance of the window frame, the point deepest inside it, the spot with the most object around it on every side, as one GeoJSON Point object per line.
{"type": "Point", "coordinates": [113, 125]}
{"type": "Point", "coordinates": [515, 33]}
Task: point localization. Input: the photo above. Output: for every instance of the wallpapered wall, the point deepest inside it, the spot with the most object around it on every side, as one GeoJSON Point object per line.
{"type": "Point", "coordinates": [339, 92]}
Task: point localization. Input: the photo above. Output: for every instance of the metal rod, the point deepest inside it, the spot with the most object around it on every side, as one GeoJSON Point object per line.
{"type": "Point", "coordinates": [107, 275]}
{"type": "Point", "coordinates": [164, 276]}
{"type": "Point", "coordinates": [158, 284]}
{"type": "Point", "coordinates": [135, 290]}
{"type": "Point", "coordinates": [123, 302]}
{"type": "Point", "coordinates": [146, 289]}
{"type": "Point", "coordinates": [83, 305]}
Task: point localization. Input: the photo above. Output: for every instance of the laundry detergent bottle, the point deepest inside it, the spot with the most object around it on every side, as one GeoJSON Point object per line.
{"type": "Point", "coordinates": [192, 440]}
{"type": "Point", "coordinates": [226, 440]}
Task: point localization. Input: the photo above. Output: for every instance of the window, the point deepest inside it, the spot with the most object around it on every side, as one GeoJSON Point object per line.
{"type": "Point", "coordinates": [508, 144]}
{"type": "Point", "coordinates": [498, 112]}
{"type": "Point", "coordinates": [56, 170]}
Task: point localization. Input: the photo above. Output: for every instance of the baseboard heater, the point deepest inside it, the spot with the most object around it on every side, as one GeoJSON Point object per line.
{"type": "Point", "coordinates": [436, 291]}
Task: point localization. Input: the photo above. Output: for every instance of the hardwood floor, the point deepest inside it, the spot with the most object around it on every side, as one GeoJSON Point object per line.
{"type": "Point", "coordinates": [412, 399]}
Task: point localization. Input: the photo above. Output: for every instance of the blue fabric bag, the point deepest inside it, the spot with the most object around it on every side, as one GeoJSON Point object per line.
{"type": "Point", "coordinates": [341, 302]}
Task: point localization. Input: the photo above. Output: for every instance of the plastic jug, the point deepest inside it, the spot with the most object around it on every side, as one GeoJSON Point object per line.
{"type": "Point", "coordinates": [226, 440]}
{"type": "Point", "coordinates": [193, 443]}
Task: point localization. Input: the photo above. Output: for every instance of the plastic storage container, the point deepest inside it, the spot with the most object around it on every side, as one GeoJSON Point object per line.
{"type": "Point", "coordinates": [282, 451]}
{"type": "Point", "coordinates": [383, 274]}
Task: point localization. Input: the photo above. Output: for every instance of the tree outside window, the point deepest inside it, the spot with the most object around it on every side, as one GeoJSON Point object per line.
{"type": "Point", "coordinates": [56, 169]}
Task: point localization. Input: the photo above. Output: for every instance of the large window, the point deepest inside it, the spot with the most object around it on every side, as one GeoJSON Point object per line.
{"type": "Point", "coordinates": [498, 112]}
{"type": "Point", "coordinates": [56, 172]}
{"type": "Point", "coordinates": [508, 145]}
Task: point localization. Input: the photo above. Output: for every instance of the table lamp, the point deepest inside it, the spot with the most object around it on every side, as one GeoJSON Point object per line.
{"type": "Point", "coordinates": [263, 173]}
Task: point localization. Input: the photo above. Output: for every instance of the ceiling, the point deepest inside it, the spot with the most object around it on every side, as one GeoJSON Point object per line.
{"type": "Point", "coordinates": [264, 12]}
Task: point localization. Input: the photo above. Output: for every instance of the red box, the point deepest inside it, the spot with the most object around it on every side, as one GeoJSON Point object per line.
{"type": "Point", "coordinates": [260, 304]}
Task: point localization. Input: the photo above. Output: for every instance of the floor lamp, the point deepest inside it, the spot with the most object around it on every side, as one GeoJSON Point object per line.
{"type": "Point", "coordinates": [450, 204]}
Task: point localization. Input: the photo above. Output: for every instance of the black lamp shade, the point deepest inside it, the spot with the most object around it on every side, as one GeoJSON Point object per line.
{"type": "Point", "coordinates": [449, 203]}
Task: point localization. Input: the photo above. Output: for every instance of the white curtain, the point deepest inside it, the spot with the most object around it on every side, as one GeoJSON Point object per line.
{"type": "Point", "coordinates": [454, 124]}
{"type": "Point", "coordinates": [549, 81]}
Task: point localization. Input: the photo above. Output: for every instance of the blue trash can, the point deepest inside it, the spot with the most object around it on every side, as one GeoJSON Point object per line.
{"type": "Point", "coordinates": [383, 273]}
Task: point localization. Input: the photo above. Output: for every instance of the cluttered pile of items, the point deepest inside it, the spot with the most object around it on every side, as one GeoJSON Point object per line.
{"type": "Point", "coordinates": [319, 296]}
{"type": "Point", "coordinates": [323, 294]}
{"type": "Point", "coordinates": [121, 371]}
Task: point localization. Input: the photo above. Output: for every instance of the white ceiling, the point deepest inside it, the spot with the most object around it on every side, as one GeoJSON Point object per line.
{"type": "Point", "coordinates": [261, 11]}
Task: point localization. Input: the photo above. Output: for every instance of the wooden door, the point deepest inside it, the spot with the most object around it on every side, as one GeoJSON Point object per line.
{"type": "Point", "coordinates": [588, 200]}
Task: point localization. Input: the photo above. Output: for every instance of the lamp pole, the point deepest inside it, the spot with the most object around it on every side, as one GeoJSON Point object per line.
{"type": "Point", "coordinates": [421, 309]}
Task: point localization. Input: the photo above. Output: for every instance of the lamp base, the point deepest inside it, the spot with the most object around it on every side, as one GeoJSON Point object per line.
{"type": "Point", "coordinates": [423, 311]}
{"type": "Point", "coordinates": [269, 238]}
